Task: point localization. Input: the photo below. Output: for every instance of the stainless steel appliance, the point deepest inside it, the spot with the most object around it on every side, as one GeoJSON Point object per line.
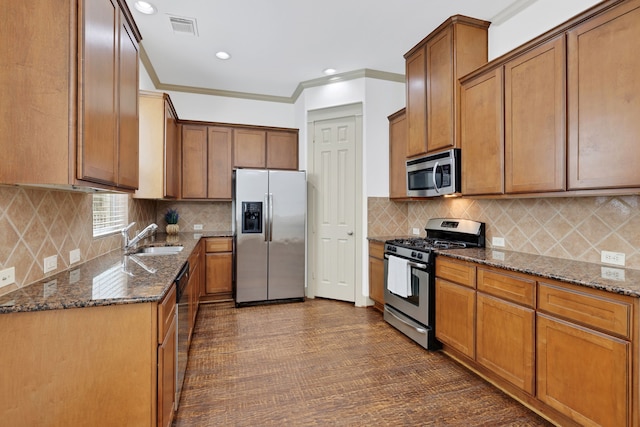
{"type": "Point", "coordinates": [182, 328]}
{"type": "Point", "coordinates": [434, 175]}
{"type": "Point", "coordinates": [409, 265]}
{"type": "Point", "coordinates": [270, 221]}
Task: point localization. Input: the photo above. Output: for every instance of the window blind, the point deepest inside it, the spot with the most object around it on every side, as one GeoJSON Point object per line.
{"type": "Point", "coordinates": [110, 213]}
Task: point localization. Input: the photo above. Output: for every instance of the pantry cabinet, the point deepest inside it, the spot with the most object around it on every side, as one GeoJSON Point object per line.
{"type": "Point", "coordinates": [70, 85]}
{"type": "Point", "coordinates": [398, 155]}
{"type": "Point", "coordinates": [433, 68]}
{"type": "Point", "coordinates": [604, 101]}
{"type": "Point", "coordinates": [159, 141]}
{"type": "Point", "coordinates": [376, 273]}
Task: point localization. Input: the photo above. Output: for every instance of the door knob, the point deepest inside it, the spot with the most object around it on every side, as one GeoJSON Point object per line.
{"type": "Point", "coordinates": [350, 233]}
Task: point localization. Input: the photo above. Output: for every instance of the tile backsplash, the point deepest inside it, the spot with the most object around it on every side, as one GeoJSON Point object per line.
{"type": "Point", "coordinates": [39, 223]}
{"type": "Point", "coordinates": [576, 228]}
{"type": "Point", "coordinates": [213, 216]}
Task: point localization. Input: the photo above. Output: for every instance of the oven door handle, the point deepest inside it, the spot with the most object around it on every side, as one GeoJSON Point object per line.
{"type": "Point", "coordinates": [412, 264]}
{"type": "Point", "coordinates": [417, 328]}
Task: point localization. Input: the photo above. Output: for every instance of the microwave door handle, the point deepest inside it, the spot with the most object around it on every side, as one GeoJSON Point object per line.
{"type": "Point", "coordinates": [435, 184]}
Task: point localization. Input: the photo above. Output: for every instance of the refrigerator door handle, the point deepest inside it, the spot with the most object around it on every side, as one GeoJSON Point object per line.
{"type": "Point", "coordinates": [270, 217]}
{"type": "Point", "coordinates": [266, 218]}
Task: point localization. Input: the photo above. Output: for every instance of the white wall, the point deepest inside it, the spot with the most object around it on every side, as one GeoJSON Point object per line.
{"type": "Point", "coordinates": [539, 17]}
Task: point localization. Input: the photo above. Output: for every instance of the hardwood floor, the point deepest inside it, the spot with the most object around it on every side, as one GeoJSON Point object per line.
{"type": "Point", "coordinates": [328, 363]}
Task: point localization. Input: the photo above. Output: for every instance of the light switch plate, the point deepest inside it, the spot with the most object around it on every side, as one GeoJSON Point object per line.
{"type": "Point", "coordinates": [74, 256]}
{"type": "Point", "coordinates": [7, 277]}
{"type": "Point", "coordinates": [50, 263]}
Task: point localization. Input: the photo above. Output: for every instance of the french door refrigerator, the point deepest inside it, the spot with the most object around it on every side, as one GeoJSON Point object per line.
{"type": "Point", "coordinates": [270, 218]}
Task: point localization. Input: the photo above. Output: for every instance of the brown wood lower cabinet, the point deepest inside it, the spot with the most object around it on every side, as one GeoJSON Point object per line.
{"type": "Point", "coordinates": [167, 322]}
{"type": "Point", "coordinates": [569, 352]}
{"type": "Point", "coordinates": [376, 274]}
{"type": "Point", "coordinates": [219, 268]}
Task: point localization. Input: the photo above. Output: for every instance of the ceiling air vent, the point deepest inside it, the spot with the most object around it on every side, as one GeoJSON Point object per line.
{"type": "Point", "coordinates": [185, 26]}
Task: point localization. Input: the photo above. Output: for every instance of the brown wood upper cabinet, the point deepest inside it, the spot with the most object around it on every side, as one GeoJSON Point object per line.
{"type": "Point", "coordinates": [398, 155]}
{"type": "Point", "coordinates": [604, 100]}
{"type": "Point", "coordinates": [206, 162]}
{"type": "Point", "coordinates": [160, 145]}
{"type": "Point", "coordinates": [262, 148]}
{"type": "Point", "coordinates": [433, 68]}
{"type": "Point", "coordinates": [70, 95]}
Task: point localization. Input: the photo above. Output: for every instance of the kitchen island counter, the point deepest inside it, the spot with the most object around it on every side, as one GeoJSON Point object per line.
{"type": "Point", "coordinates": [109, 279]}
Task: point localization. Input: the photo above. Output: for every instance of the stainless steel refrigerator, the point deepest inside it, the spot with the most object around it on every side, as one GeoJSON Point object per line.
{"type": "Point", "coordinates": [270, 220]}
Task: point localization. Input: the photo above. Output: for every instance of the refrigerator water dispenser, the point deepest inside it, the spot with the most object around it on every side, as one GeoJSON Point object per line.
{"type": "Point", "coordinates": [251, 217]}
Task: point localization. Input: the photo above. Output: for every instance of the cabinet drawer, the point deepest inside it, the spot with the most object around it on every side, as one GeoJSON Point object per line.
{"type": "Point", "coordinates": [460, 272]}
{"type": "Point", "coordinates": [219, 244]}
{"type": "Point", "coordinates": [376, 249]}
{"type": "Point", "coordinates": [595, 311]}
{"type": "Point", "coordinates": [166, 313]}
{"type": "Point", "coordinates": [509, 287]}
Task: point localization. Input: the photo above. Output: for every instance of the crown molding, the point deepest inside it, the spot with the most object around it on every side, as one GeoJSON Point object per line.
{"type": "Point", "coordinates": [335, 78]}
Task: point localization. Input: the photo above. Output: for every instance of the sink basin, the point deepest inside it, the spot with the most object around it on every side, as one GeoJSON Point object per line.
{"type": "Point", "coordinates": [158, 250]}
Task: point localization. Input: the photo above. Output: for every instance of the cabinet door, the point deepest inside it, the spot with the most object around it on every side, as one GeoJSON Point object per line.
{"type": "Point", "coordinates": [219, 163]}
{"type": "Point", "coordinates": [376, 272]}
{"type": "Point", "coordinates": [128, 144]}
{"type": "Point", "coordinates": [505, 340]}
{"type": "Point", "coordinates": [97, 136]}
{"type": "Point", "coordinates": [603, 101]}
{"type": "Point", "coordinates": [282, 150]}
{"type": "Point", "coordinates": [535, 119]}
{"type": "Point", "coordinates": [440, 92]}
{"type": "Point", "coordinates": [398, 155]}
{"type": "Point", "coordinates": [219, 272]}
{"type": "Point", "coordinates": [167, 376]}
{"type": "Point", "coordinates": [417, 103]}
{"type": "Point", "coordinates": [171, 153]}
{"type": "Point", "coordinates": [584, 374]}
{"type": "Point", "coordinates": [455, 313]}
{"type": "Point", "coordinates": [194, 162]}
{"type": "Point", "coordinates": [482, 136]}
{"type": "Point", "coordinates": [249, 148]}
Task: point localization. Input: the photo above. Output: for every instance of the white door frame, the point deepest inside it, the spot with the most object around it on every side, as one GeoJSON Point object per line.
{"type": "Point", "coordinates": [313, 116]}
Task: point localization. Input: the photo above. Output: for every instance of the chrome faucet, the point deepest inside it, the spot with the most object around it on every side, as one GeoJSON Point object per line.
{"type": "Point", "coordinates": [130, 243]}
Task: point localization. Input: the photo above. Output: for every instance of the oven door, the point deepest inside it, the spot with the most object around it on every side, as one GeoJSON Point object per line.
{"type": "Point", "coordinates": [417, 304]}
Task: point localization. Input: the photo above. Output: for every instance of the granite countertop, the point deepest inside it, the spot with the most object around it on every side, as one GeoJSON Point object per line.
{"type": "Point", "coordinates": [109, 279]}
{"type": "Point", "coordinates": [608, 278]}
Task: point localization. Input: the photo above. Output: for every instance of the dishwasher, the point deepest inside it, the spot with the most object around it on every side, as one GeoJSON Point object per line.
{"type": "Point", "coordinates": [182, 328]}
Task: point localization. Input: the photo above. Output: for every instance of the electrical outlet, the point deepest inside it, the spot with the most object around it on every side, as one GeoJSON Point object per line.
{"type": "Point", "coordinates": [50, 263]}
{"type": "Point", "coordinates": [197, 226]}
{"type": "Point", "coordinates": [615, 258]}
{"type": "Point", "coordinates": [7, 277]}
{"type": "Point", "coordinates": [612, 273]}
{"type": "Point", "coordinates": [74, 256]}
{"type": "Point", "coordinates": [497, 242]}
{"type": "Point", "coordinates": [416, 231]}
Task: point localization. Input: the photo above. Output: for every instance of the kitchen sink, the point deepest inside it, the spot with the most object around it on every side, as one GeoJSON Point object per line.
{"type": "Point", "coordinates": [158, 250]}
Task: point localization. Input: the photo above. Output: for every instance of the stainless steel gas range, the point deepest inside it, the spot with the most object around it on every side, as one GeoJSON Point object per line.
{"type": "Point", "coordinates": [409, 270]}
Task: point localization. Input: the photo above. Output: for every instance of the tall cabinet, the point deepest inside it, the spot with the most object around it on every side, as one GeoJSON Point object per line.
{"type": "Point", "coordinates": [433, 68]}
{"type": "Point", "coordinates": [70, 85]}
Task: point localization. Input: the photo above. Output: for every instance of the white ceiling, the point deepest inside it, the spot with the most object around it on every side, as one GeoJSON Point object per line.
{"type": "Point", "coordinates": [278, 44]}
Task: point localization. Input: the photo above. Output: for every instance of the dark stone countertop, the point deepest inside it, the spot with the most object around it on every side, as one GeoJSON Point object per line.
{"type": "Point", "coordinates": [608, 278]}
{"type": "Point", "coordinates": [112, 278]}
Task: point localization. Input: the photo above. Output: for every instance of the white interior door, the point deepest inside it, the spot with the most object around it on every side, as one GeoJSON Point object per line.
{"type": "Point", "coordinates": [335, 214]}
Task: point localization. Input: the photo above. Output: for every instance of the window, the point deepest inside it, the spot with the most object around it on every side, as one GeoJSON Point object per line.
{"type": "Point", "coordinates": [110, 213]}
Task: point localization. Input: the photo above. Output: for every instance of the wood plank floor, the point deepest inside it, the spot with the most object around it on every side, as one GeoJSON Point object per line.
{"type": "Point", "coordinates": [328, 363]}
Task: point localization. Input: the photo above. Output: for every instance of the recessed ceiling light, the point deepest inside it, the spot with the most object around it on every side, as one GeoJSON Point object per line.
{"type": "Point", "coordinates": [145, 7]}
{"type": "Point", "coordinates": [222, 55]}
{"type": "Point", "coordinates": [329, 71]}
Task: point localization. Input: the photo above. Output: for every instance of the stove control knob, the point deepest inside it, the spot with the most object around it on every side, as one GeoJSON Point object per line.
{"type": "Point", "coordinates": [420, 255]}
{"type": "Point", "coordinates": [413, 254]}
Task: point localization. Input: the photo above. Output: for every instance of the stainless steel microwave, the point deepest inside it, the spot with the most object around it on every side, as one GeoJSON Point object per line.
{"type": "Point", "coordinates": [434, 174]}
